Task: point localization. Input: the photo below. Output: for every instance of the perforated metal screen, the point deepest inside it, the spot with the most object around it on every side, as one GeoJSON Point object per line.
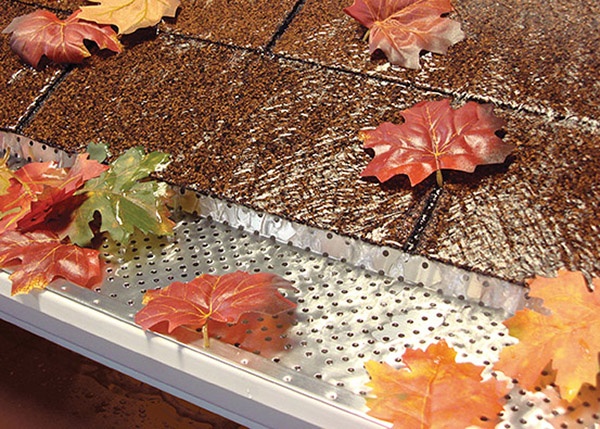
{"type": "Point", "coordinates": [352, 306]}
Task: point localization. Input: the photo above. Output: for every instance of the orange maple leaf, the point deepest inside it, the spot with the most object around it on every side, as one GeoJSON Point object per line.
{"type": "Point", "coordinates": [433, 391]}
{"type": "Point", "coordinates": [568, 337]}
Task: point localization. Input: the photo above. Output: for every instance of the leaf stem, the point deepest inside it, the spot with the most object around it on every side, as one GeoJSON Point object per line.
{"type": "Point", "coordinates": [366, 36]}
{"type": "Point", "coordinates": [439, 178]}
{"type": "Point", "coordinates": [205, 336]}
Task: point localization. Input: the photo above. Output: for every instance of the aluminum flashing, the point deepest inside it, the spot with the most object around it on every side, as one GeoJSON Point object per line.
{"type": "Point", "coordinates": [356, 302]}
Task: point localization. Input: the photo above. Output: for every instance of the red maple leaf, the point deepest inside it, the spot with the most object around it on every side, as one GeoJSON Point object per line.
{"type": "Point", "coordinates": [38, 188]}
{"type": "Point", "coordinates": [568, 337]}
{"type": "Point", "coordinates": [401, 29]}
{"type": "Point", "coordinates": [53, 200]}
{"type": "Point", "coordinates": [40, 257]}
{"type": "Point", "coordinates": [21, 190]}
{"type": "Point", "coordinates": [257, 333]}
{"type": "Point", "coordinates": [434, 137]}
{"type": "Point", "coordinates": [433, 391]}
{"type": "Point", "coordinates": [219, 298]}
{"type": "Point", "coordinates": [43, 33]}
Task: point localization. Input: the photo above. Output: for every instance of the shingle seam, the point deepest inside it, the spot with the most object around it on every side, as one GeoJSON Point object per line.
{"type": "Point", "coordinates": [284, 25]}
{"type": "Point", "coordinates": [587, 123]}
{"type": "Point", "coordinates": [426, 215]}
{"type": "Point", "coordinates": [34, 107]}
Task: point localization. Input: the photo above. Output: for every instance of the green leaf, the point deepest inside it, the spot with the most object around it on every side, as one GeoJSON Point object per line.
{"type": "Point", "coordinates": [98, 151]}
{"type": "Point", "coordinates": [122, 201]}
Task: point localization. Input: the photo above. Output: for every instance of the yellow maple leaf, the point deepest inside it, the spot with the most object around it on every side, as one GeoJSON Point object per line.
{"type": "Point", "coordinates": [129, 15]}
{"type": "Point", "coordinates": [568, 337]}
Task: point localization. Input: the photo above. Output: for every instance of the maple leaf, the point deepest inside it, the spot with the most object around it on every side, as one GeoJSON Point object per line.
{"type": "Point", "coordinates": [40, 257]}
{"type": "Point", "coordinates": [258, 333]}
{"type": "Point", "coordinates": [6, 174]}
{"type": "Point", "coordinates": [401, 29]}
{"type": "Point", "coordinates": [53, 199]}
{"type": "Point", "coordinates": [98, 151]}
{"type": "Point", "coordinates": [582, 412]}
{"type": "Point", "coordinates": [34, 189]}
{"type": "Point", "coordinates": [219, 298]}
{"type": "Point", "coordinates": [24, 187]}
{"type": "Point", "coordinates": [433, 391]}
{"type": "Point", "coordinates": [129, 15]}
{"type": "Point", "coordinates": [123, 201]}
{"type": "Point", "coordinates": [434, 137]}
{"type": "Point", "coordinates": [567, 337]}
{"type": "Point", "coordinates": [255, 332]}
{"type": "Point", "coordinates": [43, 33]}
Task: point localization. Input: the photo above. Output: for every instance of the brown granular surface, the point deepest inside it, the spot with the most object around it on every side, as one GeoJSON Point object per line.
{"type": "Point", "coordinates": [286, 143]}
{"type": "Point", "coordinates": [19, 86]}
{"type": "Point", "coordinates": [59, 5]}
{"type": "Point", "coordinates": [533, 216]}
{"type": "Point", "coordinates": [249, 24]}
{"type": "Point", "coordinates": [539, 54]}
